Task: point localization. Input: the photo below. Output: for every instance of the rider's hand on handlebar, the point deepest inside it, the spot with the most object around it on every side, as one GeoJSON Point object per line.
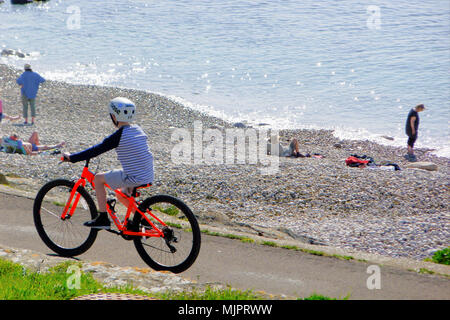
{"type": "Point", "coordinates": [65, 157]}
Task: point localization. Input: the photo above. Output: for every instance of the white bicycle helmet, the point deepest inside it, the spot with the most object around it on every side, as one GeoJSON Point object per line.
{"type": "Point", "coordinates": [123, 109]}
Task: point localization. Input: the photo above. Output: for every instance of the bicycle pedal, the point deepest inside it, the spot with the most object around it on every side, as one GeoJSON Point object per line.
{"type": "Point", "coordinates": [114, 231]}
{"type": "Point", "coordinates": [131, 226]}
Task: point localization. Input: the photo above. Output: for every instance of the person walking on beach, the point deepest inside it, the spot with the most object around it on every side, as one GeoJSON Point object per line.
{"type": "Point", "coordinates": [412, 126]}
{"type": "Point", "coordinates": [29, 82]}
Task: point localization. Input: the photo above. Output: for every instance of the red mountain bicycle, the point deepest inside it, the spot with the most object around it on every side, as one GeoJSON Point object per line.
{"type": "Point", "coordinates": [164, 230]}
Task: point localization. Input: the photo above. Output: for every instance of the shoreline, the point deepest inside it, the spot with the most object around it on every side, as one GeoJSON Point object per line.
{"type": "Point", "coordinates": [377, 138]}
{"type": "Point", "coordinates": [396, 214]}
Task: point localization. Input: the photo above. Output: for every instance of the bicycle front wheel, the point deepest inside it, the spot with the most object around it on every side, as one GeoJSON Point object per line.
{"type": "Point", "coordinates": [177, 250]}
{"type": "Point", "coordinates": [67, 237]}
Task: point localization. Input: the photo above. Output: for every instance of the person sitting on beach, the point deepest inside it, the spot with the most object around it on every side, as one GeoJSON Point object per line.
{"type": "Point", "coordinates": [5, 116]}
{"type": "Point", "coordinates": [291, 151]}
{"type": "Point", "coordinates": [133, 152]}
{"type": "Point", "coordinates": [30, 147]}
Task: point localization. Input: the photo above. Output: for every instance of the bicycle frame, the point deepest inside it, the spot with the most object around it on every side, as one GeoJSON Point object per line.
{"type": "Point", "coordinates": [88, 176]}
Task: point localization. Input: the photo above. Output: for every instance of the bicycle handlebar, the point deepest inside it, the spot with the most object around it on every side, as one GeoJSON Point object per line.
{"type": "Point", "coordinates": [64, 159]}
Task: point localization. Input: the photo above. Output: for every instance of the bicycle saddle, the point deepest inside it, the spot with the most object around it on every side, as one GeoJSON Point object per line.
{"type": "Point", "coordinates": [135, 194]}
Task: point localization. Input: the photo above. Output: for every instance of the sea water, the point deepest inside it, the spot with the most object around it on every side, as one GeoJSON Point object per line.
{"type": "Point", "coordinates": [356, 67]}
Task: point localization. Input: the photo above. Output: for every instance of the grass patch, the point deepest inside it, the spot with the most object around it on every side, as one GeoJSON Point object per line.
{"type": "Point", "coordinates": [59, 204]}
{"type": "Point", "coordinates": [316, 296]}
{"type": "Point", "coordinates": [269, 243]}
{"type": "Point", "coordinates": [289, 247]}
{"type": "Point", "coordinates": [442, 256]}
{"type": "Point", "coordinates": [314, 252]}
{"type": "Point", "coordinates": [348, 258]}
{"type": "Point", "coordinates": [320, 253]}
{"type": "Point", "coordinates": [171, 210]}
{"type": "Point", "coordinates": [274, 244]}
{"type": "Point", "coordinates": [425, 271]}
{"type": "Point", "coordinates": [19, 283]}
{"type": "Point", "coordinates": [228, 235]}
{"type": "Point", "coordinates": [174, 225]}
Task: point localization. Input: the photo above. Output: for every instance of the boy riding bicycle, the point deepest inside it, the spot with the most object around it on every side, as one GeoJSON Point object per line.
{"type": "Point", "coordinates": [133, 152]}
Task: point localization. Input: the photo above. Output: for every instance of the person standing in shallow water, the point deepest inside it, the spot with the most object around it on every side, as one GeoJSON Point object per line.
{"type": "Point", "coordinates": [29, 83]}
{"type": "Point", "coordinates": [412, 126]}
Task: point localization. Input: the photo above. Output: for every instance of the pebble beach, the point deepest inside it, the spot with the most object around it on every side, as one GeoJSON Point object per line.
{"type": "Point", "coordinates": [321, 200]}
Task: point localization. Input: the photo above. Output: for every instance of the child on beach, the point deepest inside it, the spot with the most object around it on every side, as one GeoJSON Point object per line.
{"type": "Point", "coordinates": [133, 152]}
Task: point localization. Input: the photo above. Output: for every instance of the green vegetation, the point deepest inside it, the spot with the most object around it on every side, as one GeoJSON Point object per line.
{"type": "Point", "coordinates": [174, 225]}
{"type": "Point", "coordinates": [60, 204]}
{"type": "Point", "coordinates": [425, 271]}
{"type": "Point", "coordinates": [316, 296]}
{"type": "Point", "coordinates": [269, 243]}
{"type": "Point", "coordinates": [171, 210]}
{"type": "Point", "coordinates": [319, 253]}
{"type": "Point", "coordinates": [442, 256]}
{"type": "Point", "coordinates": [274, 244]}
{"type": "Point", "coordinates": [19, 283]}
{"type": "Point", "coordinates": [227, 235]}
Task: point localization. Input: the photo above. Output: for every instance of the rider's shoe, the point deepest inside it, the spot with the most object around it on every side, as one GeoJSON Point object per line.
{"type": "Point", "coordinates": [100, 222]}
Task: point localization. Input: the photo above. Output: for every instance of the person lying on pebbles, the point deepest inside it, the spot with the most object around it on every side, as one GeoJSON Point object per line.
{"type": "Point", "coordinates": [32, 146]}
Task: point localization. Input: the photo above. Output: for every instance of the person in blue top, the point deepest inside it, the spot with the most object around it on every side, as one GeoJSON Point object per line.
{"type": "Point", "coordinates": [29, 82]}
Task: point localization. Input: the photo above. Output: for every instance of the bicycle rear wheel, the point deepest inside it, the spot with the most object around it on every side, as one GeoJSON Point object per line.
{"type": "Point", "coordinates": [180, 246]}
{"type": "Point", "coordinates": [66, 237]}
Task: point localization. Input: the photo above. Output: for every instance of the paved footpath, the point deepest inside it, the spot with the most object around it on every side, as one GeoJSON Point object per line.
{"type": "Point", "coordinates": [247, 265]}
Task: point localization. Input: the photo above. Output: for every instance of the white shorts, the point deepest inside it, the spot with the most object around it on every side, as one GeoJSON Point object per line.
{"type": "Point", "coordinates": [117, 179]}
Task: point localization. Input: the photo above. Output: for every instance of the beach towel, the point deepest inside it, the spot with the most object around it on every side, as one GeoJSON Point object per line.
{"type": "Point", "coordinates": [12, 146]}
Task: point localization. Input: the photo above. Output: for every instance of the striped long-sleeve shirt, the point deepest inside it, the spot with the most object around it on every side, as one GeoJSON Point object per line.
{"type": "Point", "coordinates": [132, 149]}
